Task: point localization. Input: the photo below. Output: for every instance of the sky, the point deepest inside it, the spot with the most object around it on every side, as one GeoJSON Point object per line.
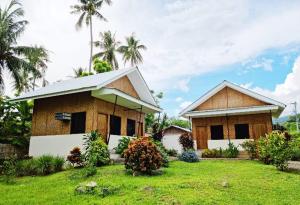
{"type": "Point", "coordinates": [192, 45]}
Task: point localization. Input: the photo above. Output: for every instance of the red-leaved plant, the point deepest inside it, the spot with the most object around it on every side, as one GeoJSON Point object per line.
{"type": "Point", "coordinates": [75, 157]}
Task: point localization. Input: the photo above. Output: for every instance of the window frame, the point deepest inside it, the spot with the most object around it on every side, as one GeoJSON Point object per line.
{"type": "Point", "coordinates": [133, 130]}
{"type": "Point", "coordinates": [213, 134]}
{"type": "Point", "coordinates": [236, 126]}
{"type": "Point", "coordinates": [111, 131]}
{"type": "Point", "coordinates": [74, 128]}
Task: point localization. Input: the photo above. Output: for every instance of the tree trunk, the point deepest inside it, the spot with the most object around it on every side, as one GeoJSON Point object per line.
{"type": "Point", "coordinates": [91, 53]}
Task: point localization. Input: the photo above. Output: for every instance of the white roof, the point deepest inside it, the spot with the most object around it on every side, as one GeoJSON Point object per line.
{"type": "Point", "coordinates": [177, 127]}
{"type": "Point", "coordinates": [92, 82]}
{"type": "Point", "coordinates": [280, 106]}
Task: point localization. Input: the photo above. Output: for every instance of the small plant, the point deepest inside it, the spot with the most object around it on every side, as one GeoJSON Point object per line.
{"type": "Point", "coordinates": [172, 152]}
{"type": "Point", "coordinates": [45, 164]}
{"type": "Point", "coordinates": [93, 188]}
{"type": "Point", "coordinates": [251, 148]}
{"type": "Point", "coordinates": [187, 141]}
{"type": "Point", "coordinates": [163, 151]}
{"type": "Point", "coordinates": [75, 157]}
{"type": "Point", "coordinates": [231, 152]}
{"type": "Point", "coordinates": [276, 148]}
{"type": "Point", "coordinates": [97, 154]}
{"type": "Point", "coordinates": [142, 156]}
{"type": "Point", "coordinates": [88, 171]}
{"type": "Point", "coordinates": [212, 153]}
{"type": "Point", "coordinates": [189, 156]}
{"type": "Point", "coordinates": [27, 167]}
{"type": "Point", "coordinates": [9, 170]}
{"type": "Point", "coordinates": [58, 163]}
{"type": "Point", "coordinates": [123, 145]}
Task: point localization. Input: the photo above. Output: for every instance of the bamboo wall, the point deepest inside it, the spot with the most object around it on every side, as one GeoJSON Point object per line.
{"type": "Point", "coordinates": [44, 122]}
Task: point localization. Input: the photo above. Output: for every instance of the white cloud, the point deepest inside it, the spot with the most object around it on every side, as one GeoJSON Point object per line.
{"type": "Point", "coordinates": [265, 64]}
{"type": "Point", "coordinates": [288, 91]}
{"type": "Point", "coordinates": [184, 104]}
{"type": "Point", "coordinates": [247, 85]}
{"type": "Point", "coordinates": [184, 38]}
{"type": "Point", "coordinates": [183, 85]}
{"type": "Point", "coordinates": [178, 99]}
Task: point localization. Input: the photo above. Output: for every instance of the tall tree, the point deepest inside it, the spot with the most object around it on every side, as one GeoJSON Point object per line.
{"type": "Point", "coordinates": [38, 58]}
{"type": "Point", "coordinates": [87, 10]}
{"type": "Point", "coordinates": [109, 47]}
{"type": "Point", "coordinates": [12, 56]}
{"type": "Point", "coordinates": [131, 51]}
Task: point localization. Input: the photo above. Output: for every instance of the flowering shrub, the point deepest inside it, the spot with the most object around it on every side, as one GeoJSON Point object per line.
{"type": "Point", "coordinates": [212, 153]}
{"type": "Point", "coordinates": [189, 156]}
{"type": "Point", "coordinates": [187, 141]}
{"type": "Point", "coordinates": [75, 157]}
{"type": "Point", "coordinates": [142, 156]}
{"type": "Point", "coordinates": [251, 148]}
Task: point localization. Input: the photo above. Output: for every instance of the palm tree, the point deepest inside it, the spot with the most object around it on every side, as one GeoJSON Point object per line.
{"type": "Point", "coordinates": [131, 51]}
{"type": "Point", "coordinates": [78, 72]}
{"type": "Point", "coordinates": [109, 46]}
{"type": "Point", "coordinates": [39, 58]}
{"type": "Point", "coordinates": [12, 56]}
{"type": "Point", "coordinates": [87, 9]}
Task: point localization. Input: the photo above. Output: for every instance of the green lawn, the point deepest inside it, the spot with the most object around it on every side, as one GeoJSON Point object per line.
{"type": "Point", "coordinates": [182, 183]}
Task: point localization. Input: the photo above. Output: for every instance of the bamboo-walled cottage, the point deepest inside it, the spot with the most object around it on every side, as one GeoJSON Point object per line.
{"type": "Point", "coordinates": [114, 103]}
{"type": "Point", "coordinates": [230, 113]}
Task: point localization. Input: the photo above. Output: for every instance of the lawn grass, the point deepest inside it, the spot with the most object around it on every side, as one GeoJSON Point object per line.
{"type": "Point", "coordinates": [250, 182]}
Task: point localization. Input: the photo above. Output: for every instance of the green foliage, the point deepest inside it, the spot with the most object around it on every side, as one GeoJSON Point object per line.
{"type": "Point", "coordinates": [172, 152]}
{"type": "Point", "coordinates": [123, 145]}
{"type": "Point", "coordinates": [179, 122]}
{"type": "Point", "coordinates": [75, 157]}
{"type": "Point", "coordinates": [163, 151]}
{"type": "Point", "coordinates": [187, 141]}
{"type": "Point", "coordinates": [142, 156]}
{"type": "Point", "coordinates": [46, 164]}
{"type": "Point", "coordinates": [89, 171]}
{"type": "Point", "coordinates": [58, 163]}
{"type": "Point", "coordinates": [92, 188]}
{"type": "Point", "coordinates": [275, 148]}
{"type": "Point", "coordinates": [15, 122]}
{"type": "Point", "coordinates": [28, 167]}
{"type": "Point", "coordinates": [189, 156]}
{"type": "Point", "coordinates": [97, 154]}
{"type": "Point", "coordinates": [231, 152]}
{"type": "Point", "coordinates": [9, 170]}
{"type": "Point", "coordinates": [158, 126]}
{"type": "Point", "coordinates": [101, 66]}
{"type": "Point", "coordinates": [212, 153]}
{"type": "Point", "coordinates": [251, 148]}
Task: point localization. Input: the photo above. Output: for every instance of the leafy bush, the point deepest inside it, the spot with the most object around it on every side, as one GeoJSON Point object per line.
{"type": "Point", "coordinates": [212, 153]}
{"type": "Point", "coordinates": [9, 170]}
{"type": "Point", "coordinates": [189, 156]}
{"type": "Point", "coordinates": [75, 157]}
{"type": "Point", "coordinates": [172, 152]}
{"type": "Point", "coordinates": [187, 141]}
{"type": "Point", "coordinates": [251, 148]}
{"type": "Point", "coordinates": [45, 164]}
{"type": "Point", "coordinates": [296, 154]}
{"type": "Point", "coordinates": [231, 152]}
{"type": "Point", "coordinates": [275, 148]}
{"type": "Point", "coordinates": [97, 154]}
{"type": "Point", "coordinates": [142, 156]}
{"type": "Point", "coordinates": [101, 66]}
{"type": "Point", "coordinates": [58, 163]}
{"type": "Point", "coordinates": [89, 171]}
{"type": "Point", "coordinates": [27, 167]}
{"type": "Point", "coordinates": [123, 145]}
{"type": "Point", "coordinates": [163, 151]}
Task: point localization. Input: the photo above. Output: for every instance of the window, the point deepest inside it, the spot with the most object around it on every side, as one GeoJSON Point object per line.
{"type": "Point", "coordinates": [130, 127]}
{"type": "Point", "coordinates": [78, 122]}
{"type": "Point", "coordinates": [217, 132]}
{"type": "Point", "coordinates": [241, 131]}
{"type": "Point", "coordinates": [115, 125]}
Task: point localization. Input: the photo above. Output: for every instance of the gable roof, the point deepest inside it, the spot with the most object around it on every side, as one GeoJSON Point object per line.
{"type": "Point", "coordinates": [177, 127]}
{"type": "Point", "coordinates": [92, 82]}
{"type": "Point", "coordinates": [238, 88]}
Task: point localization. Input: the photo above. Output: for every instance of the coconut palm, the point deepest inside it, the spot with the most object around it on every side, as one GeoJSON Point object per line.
{"type": "Point", "coordinates": [87, 9]}
{"type": "Point", "coordinates": [131, 51]}
{"type": "Point", "coordinates": [38, 58]}
{"type": "Point", "coordinates": [12, 56]}
{"type": "Point", "coordinates": [108, 49]}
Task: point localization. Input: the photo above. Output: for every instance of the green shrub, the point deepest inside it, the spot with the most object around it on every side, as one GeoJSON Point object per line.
{"type": "Point", "coordinates": [275, 148]}
{"type": "Point", "coordinates": [163, 151]}
{"type": "Point", "coordinates": [231, 152]}
{"type": "Point", "coordinates": [142, 156]}
{"type": "Point", "coordinates": [75, 157]}
{"type": "Point", "coordinates": [212, 153]}
{"type": "Point", "coordinates": [296, 154]}
{"type": "Point", "coordinates": [9, 170]}
{"type": "Point", "coordinates": [58, 163]}
{"type": "Point", "coordinates": [89, 171]}
{"type": "Point", "coordinates": [123, 145]}
{"type": "Point", "coordinates": [27, 167]}
{"type": "Point", "coordinates": [251, 147]}
{"type": "Point", "coordinates": [187, 141]}
{"type": "Point", "coordinates": [172, 152]}
{"type": "Point", "coordinates": [45, 164]}
{"type": "Point", "coordinates": [97, 154]}
{"type": "Point", "coordinates": [189, 156]}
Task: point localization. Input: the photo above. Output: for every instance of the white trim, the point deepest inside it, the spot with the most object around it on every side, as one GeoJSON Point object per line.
{"type": "Point", "coordinates": [177, 127]}
{"type": "Point", "coordinates": [232, 111]}
{"type": "Point", "coordinates": [224, 84]}
{"type": "Point", "coordinates": [112, 91]}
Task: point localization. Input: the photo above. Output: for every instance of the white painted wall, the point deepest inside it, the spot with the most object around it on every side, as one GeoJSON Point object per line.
{"type": "Point", "coordinates": [171, 141]}
{"type": "Point", "coordinates": [216, 144]}
{"type": "Point", "coordinates": [61, 145]}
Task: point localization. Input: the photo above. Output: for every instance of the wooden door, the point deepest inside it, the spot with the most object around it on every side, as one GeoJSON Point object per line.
{"type": "Point", "coordinates": [259, 130]}
{"type": "Point", "coordinates": [201, 137]}
{"type": "Point", "coordinates": [102, 124]}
